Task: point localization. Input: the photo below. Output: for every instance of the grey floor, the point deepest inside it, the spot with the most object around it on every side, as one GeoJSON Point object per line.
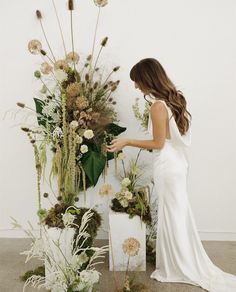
{"type": "Point", "coordinates": [223, 254]}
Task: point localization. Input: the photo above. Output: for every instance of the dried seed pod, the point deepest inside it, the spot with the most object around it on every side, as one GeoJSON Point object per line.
{"type": "Point", "coordinates": [20, 104]}
{"type": "Point", "coordinates": [89, 57]}
{"type": "Point", "coordinates": [25, 129]}
{"type": "Point", "coordinates": [116, 68]}
{"type": "Point", "coordinates": [104, 42]}
{"type": "Point", "coordinates": [39, 14]}
{"type": "Point", "coordinates": [87, 77]}
{"type": "Point", "coordinates": [70, 4]}
{"type": "Point", "coordinates": [43, 52]}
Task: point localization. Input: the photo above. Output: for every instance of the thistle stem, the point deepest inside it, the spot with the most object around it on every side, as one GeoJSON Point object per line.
{"type": "Point", "coordinates": [94, 39]}
{"type": "Point", "coordinates": [41, 24]}
{"type": "Point", "coordinates": [60, 28]}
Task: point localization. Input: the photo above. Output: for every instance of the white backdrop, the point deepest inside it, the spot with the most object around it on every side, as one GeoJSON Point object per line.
{"type": "Point", "coordinates": [196, 43]}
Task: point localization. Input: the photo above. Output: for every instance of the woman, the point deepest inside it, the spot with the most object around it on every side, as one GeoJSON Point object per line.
{"type": "Point", "coordinates": [180, 254]}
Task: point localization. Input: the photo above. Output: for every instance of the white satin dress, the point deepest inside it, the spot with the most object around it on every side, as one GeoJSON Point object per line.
{"type": "Point", "coordinates": [180, 255]}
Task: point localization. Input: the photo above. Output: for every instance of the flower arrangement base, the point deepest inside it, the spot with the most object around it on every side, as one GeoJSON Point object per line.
{"type": "Point", "coordinates": [52, 239]}
{"type": "Point", "coordinates": [123, 228]}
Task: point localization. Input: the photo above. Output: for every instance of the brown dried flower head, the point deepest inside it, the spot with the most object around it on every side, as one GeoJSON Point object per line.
{"type": "Point", "coordinates": [39, 14]}
{"type": "Point", "coordinates": [104, 42]}
{"type": "Point", "coordinates": [70, 4]}
{"type": "Point", "coordinates": [81, 102]}
{"type": "Point", "coordinates": [73, 89]}
{"type": "Point", "coordinates": [100, 3]}
{"type": "Point", "coordinates": [34, 46]}
{"type": "Point", "coordinates": [131, 246]}
{"type": "Point", "coordinates": [46, 68]}
{"type": "Point", "coordinates": [116, 68]}
{"type": "Point", "coordinates": [20, 104]}
{"type": "Point", "coordinates": [72, 57]}
{"type": "Point", "coordinates": [61, 64]}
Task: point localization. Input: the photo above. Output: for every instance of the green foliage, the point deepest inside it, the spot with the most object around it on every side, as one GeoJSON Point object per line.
{"type": "Point", "coordinates": [39, 104]}
{"type": "Point", "coordinates": [93, 164]}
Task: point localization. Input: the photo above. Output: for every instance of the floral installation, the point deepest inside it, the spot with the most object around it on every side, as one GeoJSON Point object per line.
{"type": "Point", "coordinates": [77, 271]}
{"type": "Point", "coordinates": [133, 198]}
{"type": "Point", "coordinates": [75, 113]}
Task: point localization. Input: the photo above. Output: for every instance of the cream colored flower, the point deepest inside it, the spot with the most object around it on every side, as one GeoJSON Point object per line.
{"type": "Point", "coordinates": [131, 246]}
{"type": "Point", "coordinates": [135, 170]}
{"type": "Point", "coordinates": [73, 89]}
{"type": "Point", "coordinates": [72, 57]}
{"type": "Point", "coordinates": [100, 3]}
{"type": "Point", "coordinates": [61, 64]}
{"type": "Point", "coordinates": [45, 68]}
{"type": "Point", "coordinates": [74, 124]}
{"type": "Point", "coordinates": [60, 75]}
{"type": "Point", "coordinates": [88, 134]}
{"type": "Point", "coordinates": [84, 148]}
{"type": "Point", "coordinates": [106, 190]}
{"type": "Point", "coordinates": [124, 203]}
{"type": "Point", "coordinates": [128, 195]}
{"type": "Point", "coordinates": [125, 182]}
{"type": "Point", "coordinates": [35, 47]}
{"type": "Point", "coordinates": [78, 139]}
{"type": "Point", "coordinates": [68, 218]}
{"type": "Point", "coordinates": [121, 156]}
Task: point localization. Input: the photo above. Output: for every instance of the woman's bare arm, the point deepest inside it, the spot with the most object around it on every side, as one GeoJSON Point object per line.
{"type": "Point", "coordinates": [159, 116]}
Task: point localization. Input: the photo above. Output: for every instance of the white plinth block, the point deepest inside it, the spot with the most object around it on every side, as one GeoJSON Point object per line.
{"type": "Point", "coordinates": [121, 227]}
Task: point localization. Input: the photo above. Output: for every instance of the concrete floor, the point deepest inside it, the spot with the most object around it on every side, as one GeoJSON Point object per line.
{"type": "Point", "coordinates": [223, 254]}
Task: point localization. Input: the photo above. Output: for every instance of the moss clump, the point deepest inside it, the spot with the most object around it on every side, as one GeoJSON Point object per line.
{"type": "Point", "coordinates": [39, 271]}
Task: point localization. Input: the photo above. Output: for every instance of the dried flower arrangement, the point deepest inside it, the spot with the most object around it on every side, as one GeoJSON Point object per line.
{"type": "Point", "coordinates": [75, 115]}
{"type": "Point", "coordinates": [75, 270]}
{"type": "Point", "coordinates": [133, 198]}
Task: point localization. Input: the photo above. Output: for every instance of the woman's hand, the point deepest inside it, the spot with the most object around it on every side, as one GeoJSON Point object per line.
{"type": "Point", "coordinates": [117, 144]}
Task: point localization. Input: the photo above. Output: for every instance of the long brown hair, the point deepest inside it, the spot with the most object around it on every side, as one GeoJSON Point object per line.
{"type": "Point", "coordinates": [151, 76]}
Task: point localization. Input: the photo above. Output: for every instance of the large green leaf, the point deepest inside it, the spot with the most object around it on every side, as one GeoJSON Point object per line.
{"type": "Point", "coordinates": [93, 164]}
{"type": "Point", "coordinates": [115, 129]}
{"type": "Point", "coordinates": [39, 104]}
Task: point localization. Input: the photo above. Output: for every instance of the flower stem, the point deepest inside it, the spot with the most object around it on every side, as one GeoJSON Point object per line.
{"type": "Point", "coordinates": [41, 24]}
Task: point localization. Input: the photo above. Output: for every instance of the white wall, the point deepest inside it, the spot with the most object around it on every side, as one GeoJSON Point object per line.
{"type": "Point", "coordinates": [196, 43]}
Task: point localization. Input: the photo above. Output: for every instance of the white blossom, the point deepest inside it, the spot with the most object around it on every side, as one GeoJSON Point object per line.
{"type": "Point", "coordinates": [125, 182]}
{"type": "Point", "coordinates": [57, 133]}
{"type": "Point", "coordinates": [78, 139]}
{"type": "Point", "coordinates": [60, 75]}
{"type": "Point", "coordinates": [88, 134]}
{"type": "Point", "coordinates": [74, 124]}
{"type": "Point", "coordinates": [68, 218]}
{"type": "Point", "coordinates": [84, 148]}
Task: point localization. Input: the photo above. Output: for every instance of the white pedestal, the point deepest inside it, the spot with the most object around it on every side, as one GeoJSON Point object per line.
{"type": "Point", "coordinates": [64, 239]}
{"type": "Point", "coordinates": [121, 227]}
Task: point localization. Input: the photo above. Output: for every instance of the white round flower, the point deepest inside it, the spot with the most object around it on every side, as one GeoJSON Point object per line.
{"type": "Point", "coordinates": [128, 195]}
{"type": "Point", "coordinates": [84, 148]}
{"type": "Point", "coordinates": [88, 134]}
{"type": "Point", "coordinates": [68, 218]}
{"type": "Point", "coordinates": [124, 203]}
{"type": "Point", "coordinates": [78, 139]}
{"type": "Point", "coordinates": [121, 156]}
{"type": "Point", "coordinates": [74, 124]}
{"type": "Point", "coordinates": [125, 182]}
{"type": "Point", "coordinates": [60, 75]}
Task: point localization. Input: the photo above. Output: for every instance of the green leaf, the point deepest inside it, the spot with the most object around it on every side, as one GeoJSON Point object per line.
{"type": "Point", "coordinates": [93, 164]}
{"type": "Point", "coordinates": [39, 104]}
{"type": "Point", "coordinates": [115, 129]}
